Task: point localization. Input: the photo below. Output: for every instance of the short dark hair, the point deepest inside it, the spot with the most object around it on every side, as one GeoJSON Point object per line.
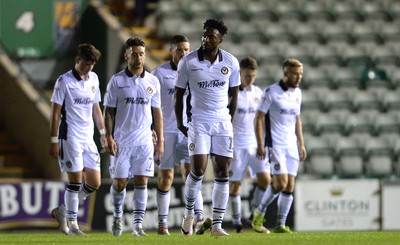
{"type": "Point", "coordinates": [249, 63]}
{"type": "Point", "coordinates": [178, 39]}
{"type": "Point", "coordinates": [134, 42]}
{"type": "Point", "coordinates": [216, 24]}
{"type": "Point", "coordinates": [88, 52]}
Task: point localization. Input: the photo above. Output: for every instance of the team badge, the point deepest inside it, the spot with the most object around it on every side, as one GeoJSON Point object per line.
{"type": "Point", "coordinates": [68, 164]}
{"type": "Point", "coordinates": [93, 89]}
{"type": "Point", "coordinates": [298, 100]}
{"type": "Point", "coordinates": [113, 170]}
{"type": "Point", "coordinates": [192, 146]}
{"type": "Point", "coordinates": [149, 90]}
{"type": "Point", "coordinates": [277, 166]}
{"type": "Point", "coordinates": [257, 100]}
{"type": "Point", "coordinates": [224, 70]}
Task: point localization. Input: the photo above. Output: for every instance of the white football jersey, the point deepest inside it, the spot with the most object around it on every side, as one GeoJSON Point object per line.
{"type": "Point", "coordinates": [208, 84]}
{"type": "Point", "coordinates": [281, 105]}
{"type": "Point", "coordinates": [133, 97]}
{"type": "Point", "coordinates": [243, 122]}
{"type": "Point", "coordinates": [76, 96]}
{"type": "Point", "coordinates": [167, 74]}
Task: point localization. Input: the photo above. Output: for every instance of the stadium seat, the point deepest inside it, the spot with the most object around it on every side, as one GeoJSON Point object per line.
{"type": "Point", "coordinates": [366, 100]}
{"type": "Point", "coordinates": [385, 123]}
{"type": "Point", "coordinates": [268, 54]}
{"type": "Point", "coordinates": [227, 10]}
{"type": "Point", "coordinates": [394, 77]}
{"type": "Point", "coordinates": [316, 77]}
{"type": "Point", "coordinates": [307, 32]}
{"type": "Point", "coordinates": [312, 98]}
{"type": "Point", "coordinates": [390, 32]}
{"type": "Point", "coordinates": [375, 77]}
{"type": "Point", "coordinates": [300, 52]}
{"type": "Point", "coordinates": [345, 11]}
{"type": "Point", "coordinates": [372, 10]}
{"type": "Point", "coordinates": [384, 55]}
{"type": "Point", "coordinates": [326, 55]}
{"type": "Point", "coordinates": [317, 11]}
{"type": "Point", "coordinates": [346, 77]}
{"type": "Point", "coordinates": [260, 10]}
{"type": "Point", "coordinates": [321, 165]}
{"type": "Point", "coordinates": [380, 155]}
{"type": "Point", "coordinates": [291, 10]}
{"type": "Point", "coordinates": [391, 101]}
{"type": "Point", "coordinates": [338, 99]}
{"type": "Point", "coordinates": [336, 31]}
{"type": "Point", "coordinates": [350, 156]}
{"type": "Point", "coordinates": [247, 31]}
{"type": "Point", "coordinates": [277, 33]}
{"type": "Point", "coordinates": [359, 123]}
{"type": "Point", "coordinates": [354, 55]}
{"type": "Point", "coordinates": [329, 123]}
{"type": "Point", "coordinates": [367, 31]}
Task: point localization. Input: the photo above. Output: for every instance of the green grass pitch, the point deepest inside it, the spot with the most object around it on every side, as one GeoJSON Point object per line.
{"type": "Point", "coordinates": [247, 238]}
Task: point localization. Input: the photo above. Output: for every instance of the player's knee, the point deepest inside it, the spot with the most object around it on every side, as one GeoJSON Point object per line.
{"type": "Point", "coordinates": [119, 186]}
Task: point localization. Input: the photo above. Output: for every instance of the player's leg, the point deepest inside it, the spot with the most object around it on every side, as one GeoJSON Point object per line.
{"type": "Point", "coordinates": [285, 199]}
{"type": "Point", "coordinates": [91, 171]}
{"type": "Point", "coordinates": [164, 181]}
{"type": "Point", "coordinates": [279, 171]}
{"type": "Point", "coordinates": [119, 172]}
{"type": "Point", "coordinates": [72, 163]}
{"type": "Point", "coordinates": [143, 167]}
{"type": "Point", "coordinates": [199, 143]}
{"type": "Point", "coordinates": [71, 201]}
{"type": "Point", "coordinates": [237, 173]}
{"type": "Point", "coordinates": [222, 150]}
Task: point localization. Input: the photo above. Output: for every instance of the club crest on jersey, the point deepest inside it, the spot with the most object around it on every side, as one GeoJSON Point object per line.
{"type": "Point", "coordinates": [298, 100]}
{"type": "Point", "coordinates": [257, 100]}
{"type": "Point", "coordinates": [68, 164]}
{"type": "Point", "coordinates": [93, 89]}
{"type": "Point", "coordinates": [277, 166]}
{"type": "Point", "coordinates": [192, 146]}
{"type": "Point", "coordinates": [224, 70]}
{"type": "Point", "coordinates": [149, 90]}
{"type": "Point", "coordinates": [113, 170]}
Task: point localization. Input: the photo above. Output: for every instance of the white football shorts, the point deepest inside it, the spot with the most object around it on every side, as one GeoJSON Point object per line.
{"type": "Point", "coordinates": [131, 161]}
{"type": "Point", "coordinates": [284, 160]}
{"type": "Point", "coordinates": [75, 156]}
{"type": "Point", "coordinates": [211, 138]}
{"type": "Point", "coordinates": [247, 157]}
{"type": "Point", "coordinates": [175, 150]}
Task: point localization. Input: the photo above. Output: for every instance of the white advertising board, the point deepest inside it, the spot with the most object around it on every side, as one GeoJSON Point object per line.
{"type": "Point", "coordinates": [390, 206]}
{"type": "Point", "coordinates": [337, 205]}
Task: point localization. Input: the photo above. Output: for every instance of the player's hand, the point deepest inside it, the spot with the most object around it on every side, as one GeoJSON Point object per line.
{"type": "Point", "coordinates": [302, 153]}
{"type": "Point", "coordinates": [261, 153]}
{"type": "Point", "coordinates": [158, 152]}
{"type": "Point", "coordinates": [110, 146]}
{"type": "Point", "coordinates": [103, 142]}
{"type": "Point", "coordinates": [154, 136]}
{"type": "Point", "coordinates": [54, 150]}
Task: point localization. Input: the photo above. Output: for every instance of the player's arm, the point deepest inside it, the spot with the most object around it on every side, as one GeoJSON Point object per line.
{"type": "Point", "coordinates": [98, 119]}
{"type": "Point", "coordinates": [178, 106]}
{"type": "Point", "coordinates": [300, 139]}
{"type": "Point", "coordinates": [233, 94]}
{"type": "Point", "coordinates": [159, 128]}
{"type": "Point", "coordinates": [109, 118]}
{"type": "Point", "coordinates": [54, 122]}
{"type": "Point", "coordinates": [259, 131]}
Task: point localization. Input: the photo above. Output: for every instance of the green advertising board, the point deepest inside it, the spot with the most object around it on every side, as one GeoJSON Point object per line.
{"type": "Point", "coordinates": [40, 28]}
